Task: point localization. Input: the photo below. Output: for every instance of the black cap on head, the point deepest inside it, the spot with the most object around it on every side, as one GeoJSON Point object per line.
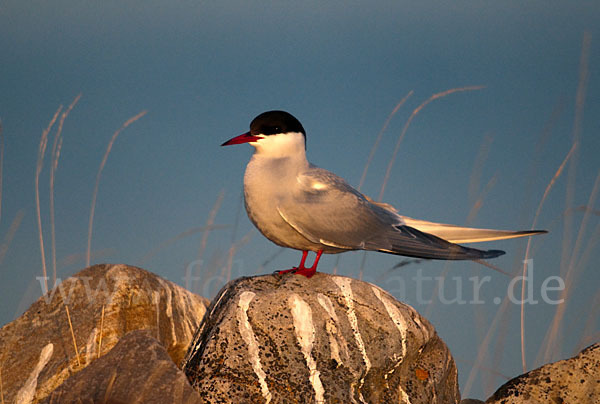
{"type": "Point", "coordinates": [274, 122]}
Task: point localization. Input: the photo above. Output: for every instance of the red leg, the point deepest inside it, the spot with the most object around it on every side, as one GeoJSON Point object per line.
{"type": "Point", "coordinates": [294, 269]}
{"type": "Point", "coordinates": [308, 272]}
{"type": "Point", "coordinates": [301, 269]}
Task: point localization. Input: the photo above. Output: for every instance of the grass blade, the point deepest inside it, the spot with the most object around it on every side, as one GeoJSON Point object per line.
{"type": "Point", "coordinates": [38, 171]}
{"type": "Point", "coordinates": [379, 136]}
{"type": "Point", "coordinates": [407, 124]}
{"type": "Point", "coordinates": [54, 157]}
{"type": "Point", "coordinates": [95, 194]}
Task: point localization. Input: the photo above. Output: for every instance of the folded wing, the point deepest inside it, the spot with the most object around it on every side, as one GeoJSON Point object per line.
{"type": "Point", "coordinates": [326, 210]}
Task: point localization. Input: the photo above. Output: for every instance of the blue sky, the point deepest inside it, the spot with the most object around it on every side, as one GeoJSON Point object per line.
{"type": "Point", "coordinates": [203, 70]}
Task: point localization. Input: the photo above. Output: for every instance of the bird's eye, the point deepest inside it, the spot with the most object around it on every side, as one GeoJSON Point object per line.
{"type": "Point", "coordinates": [272, 130]}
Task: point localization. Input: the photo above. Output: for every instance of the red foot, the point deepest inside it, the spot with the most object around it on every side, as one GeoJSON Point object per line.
{"type": "Point", "coordinates": [301, 269]}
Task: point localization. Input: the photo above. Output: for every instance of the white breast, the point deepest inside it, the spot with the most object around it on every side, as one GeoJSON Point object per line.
{"type": "Point", "coordinates": [270, 178]}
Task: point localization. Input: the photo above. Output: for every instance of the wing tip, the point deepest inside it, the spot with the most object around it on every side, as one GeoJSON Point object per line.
{"type": "Point", "coordinates": [493, 253]}
{"type": "Point", "coordinates": [532, 232]}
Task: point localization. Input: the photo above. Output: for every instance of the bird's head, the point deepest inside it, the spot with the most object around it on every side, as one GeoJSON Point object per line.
{"type": "Point", "coordinates": [273, 133]}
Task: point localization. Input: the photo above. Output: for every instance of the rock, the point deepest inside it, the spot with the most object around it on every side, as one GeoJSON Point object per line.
{"type": "Point", "coordinates": [137, 370]}
{"type": "Point", "coordinates": [574, 380]}
{"type": "Point", "coordinates": [471, 401]}
{"type": "Point", "coordinates": [327, 339]}
{"type": "Point", "coordinates": [37, 352]}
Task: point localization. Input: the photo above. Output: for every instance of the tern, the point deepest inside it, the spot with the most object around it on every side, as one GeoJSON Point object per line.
{"type": "Point", "coordinates": [298, 205]}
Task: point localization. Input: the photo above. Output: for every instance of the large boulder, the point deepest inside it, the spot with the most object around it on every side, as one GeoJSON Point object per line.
{"type": "Point", "coordinates": [105, 302]}
{"type": "Point", "coordinates": [574, 380]}
{"type": "Point", "coordinates": [277, 339]}
{"type": "Point", "coordinates": [137, 370]}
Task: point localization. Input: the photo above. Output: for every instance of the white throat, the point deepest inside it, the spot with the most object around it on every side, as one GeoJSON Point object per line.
{"type": "Point", "coordinates": [291, 144]}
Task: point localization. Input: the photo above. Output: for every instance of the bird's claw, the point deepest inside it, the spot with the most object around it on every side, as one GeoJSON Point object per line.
{"type": "Point", "coordinates": [286, 271]}
{"type": "Point", "coordinates": [307, 272]}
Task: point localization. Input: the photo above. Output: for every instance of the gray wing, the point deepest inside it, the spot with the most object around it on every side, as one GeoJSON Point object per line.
{"type": "Point", "coordinates": [326, 210]}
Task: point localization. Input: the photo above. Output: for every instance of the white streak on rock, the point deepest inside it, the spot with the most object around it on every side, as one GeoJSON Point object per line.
{"type": "Point", "coordinates": [404, 396]}
{"type": "Point", "coordinates": [27, 392]}
{"type": "Point", "coordinates": [194, 345]}
{"type": "Point", "coordinates": [184, 303]}
{"type": "Point", "coordinates": [402, 325]}
{"type": "Point", "coordinates": [122, 283]}
{"type": "Point", "coordinates": [424, 330]}
{"type": "Point", "coordinates": [250, 339]}
{"type": "Point", "coordinates": [335, 335]}
{"type": "Point", "coordinates": [90, 346]}
{"type": "Point", "coordinates": [331, 328]}
{"type": "Point", "coordinates": [156, 302]}
{"type": "Point", "coordinates": [218, 301]}
{"type": "Point", "coordinates": [345, 286]}
{"type": "Point", "coordinates": [325, 302]}
{"type": "Point", "coordinates": [305, 333]}
{"type": "Point", "coordinates": [169, 309]}
{"type": "Point", "coordinates": [395, 315]}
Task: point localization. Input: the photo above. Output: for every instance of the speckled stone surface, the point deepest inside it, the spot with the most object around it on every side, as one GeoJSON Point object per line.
{"type": "Point", "coordinates": [285, 338]}
{"type": "Point", "coordinates": [137, 370]}
{"type": "Point", "coordinates": [574, 380]}
{"type": "Point", "coordinates": [37, 353]}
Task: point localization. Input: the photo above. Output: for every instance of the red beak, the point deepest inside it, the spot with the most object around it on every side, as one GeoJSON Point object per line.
{"type": "Point", "coordinates": [243, 138]}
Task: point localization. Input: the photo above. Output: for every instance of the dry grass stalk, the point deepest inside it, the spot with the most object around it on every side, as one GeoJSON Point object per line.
{"type": "Point", "coordinates": [571, 175]}
{"type": "Point", "coordinates": [568, 253]}
{"type": "Point", "coordinates": [492, 267]}
{"type": "Point", "coordinates": [477, 197]}
{"type": "Point", "coordinates": [109, 387]}
{"type": "Point", "coordinates": [209, 222]}
{"type": "Point", "coordinates": [269, 259]}
{"type": "Point", "coordinates": [483, 349]}
{"type": "Point", "coordinates": [485, 369]}
{"type": "Point", "coordinates": [363, 262]}
{"type": "Point", "coordinates": [336, 265]}
{"type": "Point", "coordinates": [528, 194]}
{"type": "Point", "coordinates": [482, 155]}
{"type": "Point", "coordinates": [379, 136]}
{"type": "Point", "coordinates": [407, 124]}
{"type": "Point", "coordinates": [364, 173]}
{"type": "Point", "coordinates": [551, 336]}
{"type": "Point", "coordinates": [479, 201]}
{"type": "Point", "coordinates": [399, 141]}
{"type": "Point", "coordinates": [73, 335]}
{"type": "Point", "coordinates": [10, 234]}
{"type": "Point", "coordinates": [534, 224]}
{"type": "Point", "coordinates": [54, 157]}
{"type": "Point", "coordinates": [233, 245]}
{"type": "Point", "coordinates": [579, 104]}
{"type": "Point", "coordinates": [38, 171]}
{"type": "Point", "coordinates": [552, 344]}
{"type": "Point", "coordinates": [101, 330]}
{"type": "Point", "coordinates": [173, 240]}
{"type": "Point", "coordinates": [232, 250]}
{"type": "Point", "coordinates": [102, 164]}
{"type": "Point", "coordinates": [587, 337]}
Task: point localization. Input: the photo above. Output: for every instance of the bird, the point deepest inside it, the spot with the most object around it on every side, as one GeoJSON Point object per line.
{"type": "Point", "coordinates": [298, 205]}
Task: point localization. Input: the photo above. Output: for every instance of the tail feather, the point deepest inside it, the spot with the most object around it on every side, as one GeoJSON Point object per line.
{"type": "Point", "coordinates": [410, 242]}
{"type": "Point", "coordinates": [459, 234]}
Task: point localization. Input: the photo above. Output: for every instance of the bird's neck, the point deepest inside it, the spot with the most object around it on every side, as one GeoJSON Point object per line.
{"type": "Point", "coordinates": [279, 165]}
{"type": "Point", "coordinates": [284, 145]}
{"type": "Point", "coordinates": [278, 158]}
